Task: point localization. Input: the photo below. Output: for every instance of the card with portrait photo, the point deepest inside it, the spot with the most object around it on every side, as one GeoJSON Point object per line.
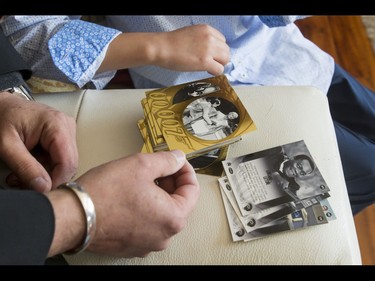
{"type": "Point", "coordinates": [301, 219]}
{"type": "Point", "coordinates": [258, 219]}
{"type": "Point", "coordinates": [200, 123]}
{"type": "Point", "coordinates": [275, 176]}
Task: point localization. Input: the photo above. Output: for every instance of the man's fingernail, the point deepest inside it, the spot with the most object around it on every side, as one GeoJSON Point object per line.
{"type": "Point", "coordinates": [180, 156]}
{"type": "Point", "coordinates": [39, 184]}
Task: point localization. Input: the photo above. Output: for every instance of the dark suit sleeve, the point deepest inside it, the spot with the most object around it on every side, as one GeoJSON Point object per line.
{"type": "Point", "coordinates": [26, 227]}
{"type": "Point", "coordinates": [11, 61]}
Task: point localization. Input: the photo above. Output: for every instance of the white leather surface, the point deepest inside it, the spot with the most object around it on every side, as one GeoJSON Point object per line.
{"type": "Point", "coordinates": [107, 129]}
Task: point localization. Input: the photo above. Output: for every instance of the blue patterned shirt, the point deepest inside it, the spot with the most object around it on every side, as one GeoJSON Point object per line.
{"type": "Point", "coordinates": [61, 48]}
{"type": "Point", "coordinates": [265, 50]}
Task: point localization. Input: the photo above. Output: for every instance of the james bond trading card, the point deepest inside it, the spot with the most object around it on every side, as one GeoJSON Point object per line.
{"type": "Point", "coordinates": [274, 176]}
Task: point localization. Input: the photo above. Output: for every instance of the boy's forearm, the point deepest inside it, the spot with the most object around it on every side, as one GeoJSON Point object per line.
{"type": "Point", "coordinates": [130, 50]}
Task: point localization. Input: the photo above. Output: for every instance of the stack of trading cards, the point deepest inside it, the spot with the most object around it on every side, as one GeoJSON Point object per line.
{"type": "Point", "coordinates": [274, 190]}
{"type": "Point", "coordinates": [201, 118]}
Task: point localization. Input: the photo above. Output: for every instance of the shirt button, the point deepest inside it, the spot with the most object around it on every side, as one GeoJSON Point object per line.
{"type": "Point", "coordinates": [243, 75]}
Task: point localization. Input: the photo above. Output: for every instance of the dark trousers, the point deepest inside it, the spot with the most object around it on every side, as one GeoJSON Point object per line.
{"type": "Point", "coordinates": [353, 112]}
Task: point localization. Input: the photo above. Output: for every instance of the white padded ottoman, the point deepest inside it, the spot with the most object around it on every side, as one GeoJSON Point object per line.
{"type": "Point", "coordinates": [107, 129]}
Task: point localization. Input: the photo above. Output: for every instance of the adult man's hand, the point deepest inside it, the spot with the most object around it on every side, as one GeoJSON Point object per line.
{"type": "Point", "coordinates": [141, 202]}
{"type": "Point", "coordinates": [28, 126]}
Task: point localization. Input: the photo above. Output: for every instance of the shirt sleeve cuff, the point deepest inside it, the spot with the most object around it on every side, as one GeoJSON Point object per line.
{"type": "Point", "coordinates": [78, 50]}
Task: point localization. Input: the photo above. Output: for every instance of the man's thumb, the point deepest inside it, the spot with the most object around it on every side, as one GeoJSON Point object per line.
{"type": "Point", "coordinates": [26, 168]}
